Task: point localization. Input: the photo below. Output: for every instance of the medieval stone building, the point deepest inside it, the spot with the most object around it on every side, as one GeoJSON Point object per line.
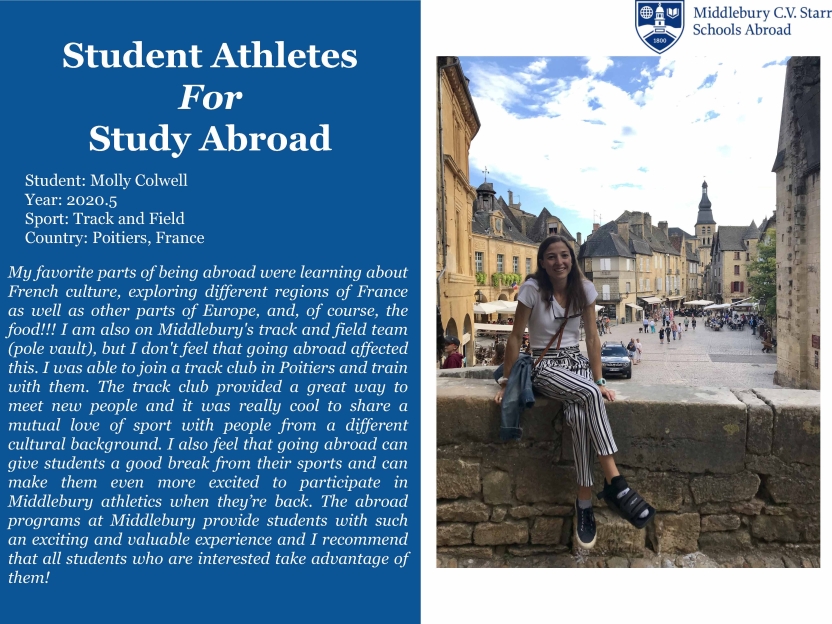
{"type": "Point", "coordinates": [797, 167]}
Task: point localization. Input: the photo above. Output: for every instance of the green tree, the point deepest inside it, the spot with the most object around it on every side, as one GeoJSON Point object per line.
{"type": "Point", "coordinates": [763, 278]}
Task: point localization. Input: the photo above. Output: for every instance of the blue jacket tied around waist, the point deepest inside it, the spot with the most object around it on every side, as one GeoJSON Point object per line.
{"type": "Point", "coordinates": [517, 397]}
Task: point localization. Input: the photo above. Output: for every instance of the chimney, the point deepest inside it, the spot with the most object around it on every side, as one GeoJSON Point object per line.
{"type": "Point", "coordinates": [648, 223]}
{"type": "Point", "coordinates": [510, 198]}
{"type": "Point", "coordinates": [624, 229]}
{"type": "Point", "coordinates": [595, 227]}
{"type": "Point", "coordinates": [579, 239]}
{"type": "Point", "coordinates": [663, 227]}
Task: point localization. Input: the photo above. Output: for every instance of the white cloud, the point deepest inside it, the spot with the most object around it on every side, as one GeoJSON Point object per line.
{"type": "Point", "coordinates": [597, 65]}
{"type": "Point", "coordinates": [537, 67]}
{"type": "Point", "coordinates": [661, 128]}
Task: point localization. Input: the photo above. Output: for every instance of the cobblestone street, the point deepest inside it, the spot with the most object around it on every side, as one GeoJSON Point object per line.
{"type": "Point", "coordinates": [725, 358]}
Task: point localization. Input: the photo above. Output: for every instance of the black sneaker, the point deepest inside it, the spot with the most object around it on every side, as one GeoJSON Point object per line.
{"type": "Point", "coordinates": [584, 524]}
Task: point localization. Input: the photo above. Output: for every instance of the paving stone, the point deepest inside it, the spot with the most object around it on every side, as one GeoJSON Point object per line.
{"type": "Point", "coordinates": [618, 562]}
{"type": "Point", "coordinates": [696, 560]}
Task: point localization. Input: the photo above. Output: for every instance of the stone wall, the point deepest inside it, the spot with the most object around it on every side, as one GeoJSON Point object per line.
{"type": "Point", "coordinates": [797, 167]}
{"type": "Point", "coordinates": [732, 474]}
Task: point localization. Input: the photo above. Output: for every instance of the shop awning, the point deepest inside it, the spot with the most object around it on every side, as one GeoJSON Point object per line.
{"type": "Point", "coordinates": [676, 297]}
{"type": "Point", "coordinates": [699, 302]}
{"type": "Point", "coordinates": [495, 327]}
{"type": "Point", "coordinates": [634, 306]}
{"type": "Point", "coordinates": [651, 300]}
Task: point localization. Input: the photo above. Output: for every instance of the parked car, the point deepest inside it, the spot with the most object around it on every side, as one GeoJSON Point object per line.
{"type": "Point", "coordinates": [615, 360]}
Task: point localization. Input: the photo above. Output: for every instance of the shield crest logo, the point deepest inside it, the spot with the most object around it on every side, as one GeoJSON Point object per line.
{"type": "Point", "coordinates": [660, 24]}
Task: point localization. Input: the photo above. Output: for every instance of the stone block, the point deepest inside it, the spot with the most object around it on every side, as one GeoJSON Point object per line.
{"type": "Point", "coordinates": [466, 412]}
{"type": "Point", "coordinates": [528, 551]}
{"type": "Point", "coordinates": [766, 465]}
{"type": "Point", "coordinates": [475, 552]}
{"type": "Point", "coordinates": [498, 514]}
{"type": "Point", "coordinates": [618, 562]}
{"type": "Point", "coordinates": [538, 480]}
{"type": "Point", "coordinates": [705, 431]}
{"type": "Point", "coordinates": [774, 529]}
{"type": "Point", "coordinates": [491, 534]}
{"type": "Point", "coordinates": [796, 435]}
{"type": "Point", "coordinates": [724, 541]}
{"type": "Point", "coordinates": [456, 478]}
{"type": "Point", "coordinates": [793, 489]}
{"type": "Point", "coordinates": [462, 511]}
{"type": "Point", "coordinates": [748, 508]}
{"type": "Point", "coordinates": [674, 533]}
{"type": "Point", "coordinates": [737, 487]}
{"type": "Point", "coordinates": [696, 560]}
{"type": "Point", "coordinates": [720, 523]}
{"type": "Point", "coordinates": [496, 488]}
{"type": "Point", "coordinates": [760, 422]}
{"type": "Point", "coordinates": [547, 530]}
{"type": "Point", "coordinates": [663, 492]}
{"type": "Point", "coordinates": [453, 534]}
{"type": "Point", "coordinates": [524, 511]}
{"type": "Point", "coordinates": [616, 536]}
{"type": "Point", "coordinates": [556, 510]}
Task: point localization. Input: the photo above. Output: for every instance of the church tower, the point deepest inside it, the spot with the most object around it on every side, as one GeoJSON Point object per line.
{"type": "Point", "coordinates": [705, 228]}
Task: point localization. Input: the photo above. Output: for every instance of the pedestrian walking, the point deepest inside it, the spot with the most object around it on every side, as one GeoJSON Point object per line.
{"type": "Point", "coordinates": [686, 323]}
{"type": "Point", "coordinates": [631, 350]}
{"type": "Point", "coordinates": [645, 322]}
{"type": "Point", "coordinates": [693, 322]}
{"type": "Point", "coordinates": [638, 351]}
{"type": "Point", "coordinates": [552, 302]}
{"type": "Point", "coordinates": [674, 328]}
{"type": "Point", "coordinates": [661, 336]}
{"type": "Point", "coordinates": [652, 326]}
{"type": "Point", "coordinates": [607, 323]}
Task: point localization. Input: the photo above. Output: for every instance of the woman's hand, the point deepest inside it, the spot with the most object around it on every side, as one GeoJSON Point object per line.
{"type": "Point", "coordinates": [499, 398]}
{"type": "Point", "coordinates": [608, 394]}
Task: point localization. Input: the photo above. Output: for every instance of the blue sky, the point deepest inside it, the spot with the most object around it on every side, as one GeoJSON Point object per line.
{"type": "Point", "coordinates": [588, 136]}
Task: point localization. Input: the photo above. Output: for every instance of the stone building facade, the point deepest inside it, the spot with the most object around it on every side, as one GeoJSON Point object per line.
{"type": "Point", "coordinates": [457, 125]}
{"type": "Point", "coordinates": [633, 265]}
{"type": "Point", "coordinates": [733, 253]}
{"type": "Point", "coordinates": [797, 167]}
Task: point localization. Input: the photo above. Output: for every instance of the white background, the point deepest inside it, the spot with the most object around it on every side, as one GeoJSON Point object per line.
{"type": "Point", "coordinates": [602, 27]}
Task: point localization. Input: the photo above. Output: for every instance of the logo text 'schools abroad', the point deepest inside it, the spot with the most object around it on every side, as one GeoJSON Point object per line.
{"type": "Point", "coordinates": [660, 24]}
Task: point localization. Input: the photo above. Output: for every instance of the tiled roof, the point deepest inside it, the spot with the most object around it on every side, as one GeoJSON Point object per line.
{"type": "Point", "coordinates": [730, 238]}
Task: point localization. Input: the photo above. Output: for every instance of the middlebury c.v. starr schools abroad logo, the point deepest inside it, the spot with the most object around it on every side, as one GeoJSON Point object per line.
{"type": "Point", "coordinates": [660, 24]}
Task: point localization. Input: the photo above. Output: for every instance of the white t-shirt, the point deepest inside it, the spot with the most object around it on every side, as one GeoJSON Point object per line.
{"type": "Point", "coordinates": [545, 320]}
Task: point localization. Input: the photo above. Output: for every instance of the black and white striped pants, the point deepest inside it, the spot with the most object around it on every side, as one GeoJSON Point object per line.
{"type": "Point", "coordinates": [565, 374]}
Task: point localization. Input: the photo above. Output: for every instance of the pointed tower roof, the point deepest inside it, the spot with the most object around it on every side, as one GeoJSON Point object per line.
{"type": "Point", "coordinates": [705, 215]}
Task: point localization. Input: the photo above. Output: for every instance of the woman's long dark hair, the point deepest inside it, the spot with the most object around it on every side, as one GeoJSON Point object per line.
{"type": "Point", "coordinates": [574, 281]}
